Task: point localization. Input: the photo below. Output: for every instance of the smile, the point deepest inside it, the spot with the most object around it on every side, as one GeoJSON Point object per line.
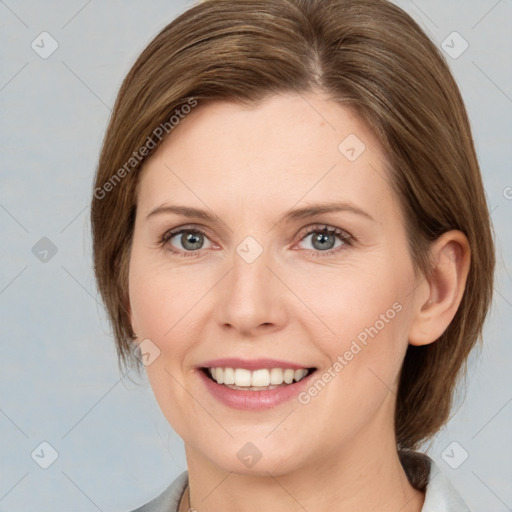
{"type": "Point", "coordinates": [256, 380]}
{"type": "Point", "coordinates": [253, 385]}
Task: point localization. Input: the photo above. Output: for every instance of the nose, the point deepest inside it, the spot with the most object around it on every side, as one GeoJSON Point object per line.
{"type": "Point", "coordinates": [251, 298]}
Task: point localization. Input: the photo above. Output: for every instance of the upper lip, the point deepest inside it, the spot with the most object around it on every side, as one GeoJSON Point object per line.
{"type": "Point", "coordinates": [251, 364]}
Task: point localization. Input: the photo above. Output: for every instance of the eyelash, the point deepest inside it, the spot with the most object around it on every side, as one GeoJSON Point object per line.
{"type": "Point", "coordinates": [346, 238]}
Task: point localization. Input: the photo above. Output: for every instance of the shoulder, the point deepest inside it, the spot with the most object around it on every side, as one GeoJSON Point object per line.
{"type": "Point", "coordinates": [169, 499]}
{"type": "Point", "coordinates": [440, 494]}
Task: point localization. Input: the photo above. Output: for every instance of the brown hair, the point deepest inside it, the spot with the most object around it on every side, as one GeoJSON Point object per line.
{"type": "Point", "coordinates": [372, 57]}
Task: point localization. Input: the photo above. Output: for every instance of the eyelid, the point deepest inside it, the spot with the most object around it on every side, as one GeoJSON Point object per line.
{"type": "Point", "coordinates": [171, 233]}
{"type": "Point", "coordinates": [346, 238]}
{"type": "Point", "coordinates": [342, 234]}
{"type": "Point", "coordinates": [314, 228]}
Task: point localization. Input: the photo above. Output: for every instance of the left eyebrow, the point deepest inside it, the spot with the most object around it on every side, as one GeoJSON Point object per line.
{"type": "Point", "coordinates": [318, 209]}
{"type": "Point", "coordinates": [290, 215]}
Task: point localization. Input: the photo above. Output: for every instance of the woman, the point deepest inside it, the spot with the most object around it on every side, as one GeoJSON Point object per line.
{"type": "Point", "coordinates": [291, 234]}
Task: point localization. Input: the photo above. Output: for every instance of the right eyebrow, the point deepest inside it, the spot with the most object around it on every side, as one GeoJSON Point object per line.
{"type": "Point", "coordinates": [186, 211]}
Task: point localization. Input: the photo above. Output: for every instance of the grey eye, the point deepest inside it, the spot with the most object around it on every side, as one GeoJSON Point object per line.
{"type": "Point", "coordinates": [190, 239]}
{"type": "Point", "coordinates": [323, 241]}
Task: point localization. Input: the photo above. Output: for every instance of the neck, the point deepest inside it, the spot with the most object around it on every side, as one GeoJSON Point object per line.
{"type": "Point", "coordinates": [344, 481]}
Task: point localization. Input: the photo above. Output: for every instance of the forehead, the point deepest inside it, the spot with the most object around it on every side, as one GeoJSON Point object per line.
{"type": "Point", "coordinates": [282, 151]}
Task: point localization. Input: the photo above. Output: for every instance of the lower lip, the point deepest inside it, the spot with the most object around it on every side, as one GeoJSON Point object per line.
{"type": "Point", "coordinates": [253, 400]}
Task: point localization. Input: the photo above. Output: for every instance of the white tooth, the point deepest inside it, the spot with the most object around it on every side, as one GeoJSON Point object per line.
{"type": "Point", "coordinates": [288, 375]}
{"type": "Point", "coordinates": [276, 376]}
{"type": "Point", "coordinates": [299, 374]}
{"type": "Point", "coordinates": [242, 377]}
{"type": "Point", "coordinates": [260, 378]}
{"type": "Point", "coordinates": [229, 376]}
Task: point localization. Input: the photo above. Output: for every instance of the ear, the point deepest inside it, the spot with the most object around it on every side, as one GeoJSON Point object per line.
{"type": "Point", "coordinates": [439, 295]}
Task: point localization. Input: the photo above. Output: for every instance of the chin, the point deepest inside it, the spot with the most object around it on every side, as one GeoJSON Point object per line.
{"type": "Point", "coordinates": [258, 457]}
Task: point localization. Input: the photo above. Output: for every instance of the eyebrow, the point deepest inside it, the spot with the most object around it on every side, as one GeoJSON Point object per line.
{"type": "Point", "coordinates": [290, 215]}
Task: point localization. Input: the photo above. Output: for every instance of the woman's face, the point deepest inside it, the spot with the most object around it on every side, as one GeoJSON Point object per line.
{"type": "Point", "coordinates": [255, 283]}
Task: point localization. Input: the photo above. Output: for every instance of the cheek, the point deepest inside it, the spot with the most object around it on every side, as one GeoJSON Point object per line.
{"type": "Point", "coordinates": [162, 309]}
{"type": "Point", "coordinates": [159, 297]}
{"type": "Point", "coordinates": [365, 343]}
{"type": "Point", "coordinates": [168, 307]}
{"type": "Point", "coordinates": [351, 301]}
{"type": "Point", "coordinates": [364, 322]}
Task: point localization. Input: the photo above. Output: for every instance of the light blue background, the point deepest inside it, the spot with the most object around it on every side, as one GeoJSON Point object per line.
{"type": "Point", "coordinates": [59, 380]}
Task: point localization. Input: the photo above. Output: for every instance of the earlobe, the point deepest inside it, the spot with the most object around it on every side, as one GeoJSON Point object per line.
{"type": "Point", "coordinates": [444, 287]}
